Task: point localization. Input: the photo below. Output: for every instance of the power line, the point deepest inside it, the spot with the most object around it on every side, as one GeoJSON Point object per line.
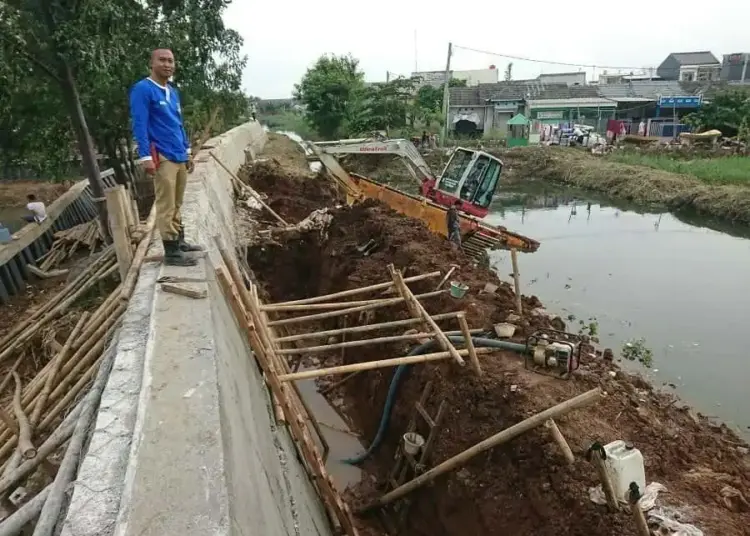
{"type": "Point", "coordinates": [550, 62]}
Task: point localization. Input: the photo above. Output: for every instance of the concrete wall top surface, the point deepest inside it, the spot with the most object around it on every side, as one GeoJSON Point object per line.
{"type": "Point", "coordinates": [185, 441]}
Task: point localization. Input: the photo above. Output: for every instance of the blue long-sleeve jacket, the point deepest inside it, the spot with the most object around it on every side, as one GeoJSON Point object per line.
{"type": "Point", "coordinates": [156, 116]}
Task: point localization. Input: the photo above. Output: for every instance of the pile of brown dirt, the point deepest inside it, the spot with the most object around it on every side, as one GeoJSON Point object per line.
{"type": "Point", "coordinates": [523, 487]}
{"type": "Point", "coordinates": [286, 151]}
{"type": "Point", "coordinates": [291, 193]}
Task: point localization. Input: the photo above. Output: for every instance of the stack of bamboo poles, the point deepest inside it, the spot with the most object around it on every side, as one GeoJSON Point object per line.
{"type": "Point", "coordinates": [31, 428]}
{"type": "Point", "coordinates": [67, 242]}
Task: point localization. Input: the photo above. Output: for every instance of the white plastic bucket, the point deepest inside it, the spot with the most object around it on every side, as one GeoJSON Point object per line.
{"type": "Point", "coordinates": [505, 330]}
{"type": "Point", "coordinates": [624, 465]}
{"type": "Point", "coordinates": [413, 442]}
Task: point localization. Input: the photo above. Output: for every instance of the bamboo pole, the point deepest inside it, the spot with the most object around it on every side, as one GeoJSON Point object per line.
{"type": "Point", "coordinates": [359, 290]}
{"type": "Point", "coordinates": [130, 280]}
{"type": "Point", "coordinates": [597, 452]}
{"type": "Point", "coordinates": [341, 312]}
{"type": "Point", "coordinates": [506, 435]}
{"type": "Point", "coordinates": [249, 190]}
{"type": "Point", "coordinates": [353, 344]}
{"type": "Point", "coordinates": [362, 329]}
{"type": "Point", "coordinates": [469, 342]}
{"type": "Point", "coordinates": [315, 306]}
{"type": "Point", "coordinates": [57, 362]}
{"type": "Point", "coordinates": [53, 442]}
{"type": "Point", "coordinates": [418, 310]}
{"type": "Point", "coordinates": [516, 280]}
{"type": "Point", "coordinates": [454, 267]}
{"type": "Point", "coordinates": [25, 446]}
{"type": "Point", "coordinates": [118, 225]}
{"type": "Point", "coordinates": [14, 524]}
{"type": "Point", "coordinates": [382, 363]}
{"type": "Point", "coordinates": [560, 440]}
{"type": "Point", "coordinates": [635, 508]}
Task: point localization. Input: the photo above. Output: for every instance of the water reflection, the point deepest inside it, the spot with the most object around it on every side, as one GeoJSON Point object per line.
{"type": "Point", "coordinates": [642, 273]}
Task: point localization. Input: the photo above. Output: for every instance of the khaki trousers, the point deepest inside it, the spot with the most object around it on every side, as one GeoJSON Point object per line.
{"type": "Point", "coordinates": [169, 189]}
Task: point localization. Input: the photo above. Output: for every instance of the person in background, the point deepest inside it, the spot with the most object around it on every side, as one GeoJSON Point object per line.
{"type": "Point", "coordinates": [37, 209]}
{"type": "Point", "coordinates": [164, 152]}
{"type": "Point", "coordinates": [452, 220]}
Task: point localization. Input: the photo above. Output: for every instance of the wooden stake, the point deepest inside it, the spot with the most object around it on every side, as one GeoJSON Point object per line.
{"type": "Point", "coordinates": [360, 290]}
{"type": "Point", "coordinates": [419, 311]}
{"type": "Point", "coordinates": [184, 291]}
{"type": "Point", "coordinates": [516, 281]}
{"type": "Point", "coordinates": [469, 343]}
{"type": "Point", "coordinates": [506, 435]}
{"type": "Point", "coordinates": [118, 224]}
{"type": "Point", "coordinates": [342, 312]}
{"type": "Point", "coordinates": [249, 190]}
{"type": "Point", "coordinates": [560, 440]}
{"type": "Point", "coordinates": [382, 363]}
{"type": "Point", "coordinates": [41, 274]}
{"type": "Point", "coordinates": [640, 520]}
{"type": "Point", "coordinates": [597, 453]}
{"type": "Point", "coordinates": [362, 329]}
{"type": "Point", "coordinates": [454, 267]}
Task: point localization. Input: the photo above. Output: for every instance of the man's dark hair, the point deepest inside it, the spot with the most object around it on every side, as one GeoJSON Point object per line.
{"type": "Point", "coordinates": [31, 197]}
{"type": "Point", "coordinates": [457, 203]}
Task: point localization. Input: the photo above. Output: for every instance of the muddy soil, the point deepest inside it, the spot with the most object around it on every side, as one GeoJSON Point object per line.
{"type": "Point", "coordinates": [13, 193]}
{"type": "Point", "coordinates": [524, 486]}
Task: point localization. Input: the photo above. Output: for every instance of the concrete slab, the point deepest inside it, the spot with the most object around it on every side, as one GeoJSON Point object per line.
{"type": "Point", "coordinates": [186, 442]}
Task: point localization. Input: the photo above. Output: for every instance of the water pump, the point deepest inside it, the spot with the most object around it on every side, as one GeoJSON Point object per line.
{"type": "Point", "coordinates": [553, 353]}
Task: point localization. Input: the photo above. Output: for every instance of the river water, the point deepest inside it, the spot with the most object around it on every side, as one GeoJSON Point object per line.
{"type": "Point", "coordinates": [683, 288]}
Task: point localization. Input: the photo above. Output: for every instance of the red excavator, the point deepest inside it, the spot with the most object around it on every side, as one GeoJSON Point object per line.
{"type": "Point", "coordinates": [470, 176]}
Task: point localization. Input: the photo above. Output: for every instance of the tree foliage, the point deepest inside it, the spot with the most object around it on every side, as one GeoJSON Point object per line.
{"type": "Point", "coordinates": [338, 103]}
{"type": "Point", "coordinates": [55, 54]}
{"type": "Point", "coordinates": [329, 91]}
{"type": "Point", "coordinates": [728, 112]}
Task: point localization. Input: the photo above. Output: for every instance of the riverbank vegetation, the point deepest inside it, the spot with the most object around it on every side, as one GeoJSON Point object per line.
{"type": "Point", "coordinates": [726, 170]}
{"type": "Point", "coordinates": [637, 183]}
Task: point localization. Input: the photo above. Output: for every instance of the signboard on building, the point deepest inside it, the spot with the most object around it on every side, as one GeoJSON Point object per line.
{"type": "Point", "coordinates": [680, 102]}
{"type": "Point", "coordinates": [549, 115]}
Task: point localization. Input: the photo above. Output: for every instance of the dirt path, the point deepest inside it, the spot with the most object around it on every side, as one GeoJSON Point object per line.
{"type": "Point", "coordinates": [523, 487]}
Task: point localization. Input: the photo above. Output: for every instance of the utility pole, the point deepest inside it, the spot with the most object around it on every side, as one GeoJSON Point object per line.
{"type": "Point", "coordinates": [446, 92]}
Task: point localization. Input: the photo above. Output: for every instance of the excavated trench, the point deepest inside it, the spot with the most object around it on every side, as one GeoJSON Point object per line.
{"type": "Point", "coordinates": [522, 487]}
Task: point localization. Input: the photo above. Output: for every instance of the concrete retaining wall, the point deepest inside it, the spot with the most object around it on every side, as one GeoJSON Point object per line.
{"type": "Point", "coordinates": [185, 441]}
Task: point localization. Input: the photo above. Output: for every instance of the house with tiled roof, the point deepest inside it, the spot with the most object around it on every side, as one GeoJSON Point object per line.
{"type": "Point", "coordinates": [690, 67]}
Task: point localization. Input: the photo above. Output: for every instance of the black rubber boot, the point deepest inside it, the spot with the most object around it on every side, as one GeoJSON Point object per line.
{"type": "Point", "coordinates": [185, 247]}
{"type": "Point", "coordinates": [173, 256]}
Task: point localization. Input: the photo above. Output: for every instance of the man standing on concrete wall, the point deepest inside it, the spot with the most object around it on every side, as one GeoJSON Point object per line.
{"type": "Point", "coordinates": [164, 151]}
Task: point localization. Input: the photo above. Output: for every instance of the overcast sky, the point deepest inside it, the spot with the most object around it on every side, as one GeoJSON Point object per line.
{"type": "Point", "coordinates": [282, 39]}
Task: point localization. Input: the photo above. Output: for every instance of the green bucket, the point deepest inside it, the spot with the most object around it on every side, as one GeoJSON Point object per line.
{"type": "Point", "coordinates": [458, 290]}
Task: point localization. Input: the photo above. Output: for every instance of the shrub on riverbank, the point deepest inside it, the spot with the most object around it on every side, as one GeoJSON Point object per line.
{"type": "Point", "coordinates": [727, 170]}
{"type": "Point", "coordinates": [637, 183]}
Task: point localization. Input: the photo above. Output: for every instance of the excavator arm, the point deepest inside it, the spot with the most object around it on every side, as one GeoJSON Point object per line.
{"type": "Point", "coordinates": [400, 147]}
{"type": "Point", "coordinates": [477, 235]}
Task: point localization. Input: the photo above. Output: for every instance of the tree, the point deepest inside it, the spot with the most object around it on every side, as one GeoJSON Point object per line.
{"type": "Point", "coordinates": [380, 107]}
{"type": "Point", "coordinates": [328, 91]}
{"type": "Point", "coordinates": [727, 112]}
{"type": "Point", "coordinates": [55, 47]}
{"type": "Point", "coordinates": [509, 72]}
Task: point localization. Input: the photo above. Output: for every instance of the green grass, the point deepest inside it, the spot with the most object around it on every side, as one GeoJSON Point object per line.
{"type": "Point", "coordinates": [725, 170]}
{"type": "Point", "coordinates": [288, 121]}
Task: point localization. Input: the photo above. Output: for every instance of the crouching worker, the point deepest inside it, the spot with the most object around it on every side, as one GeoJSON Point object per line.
{"type": "Point", "coordinates": [164, 152]}
{"type": "Point", "coordinates": [454, 225]}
